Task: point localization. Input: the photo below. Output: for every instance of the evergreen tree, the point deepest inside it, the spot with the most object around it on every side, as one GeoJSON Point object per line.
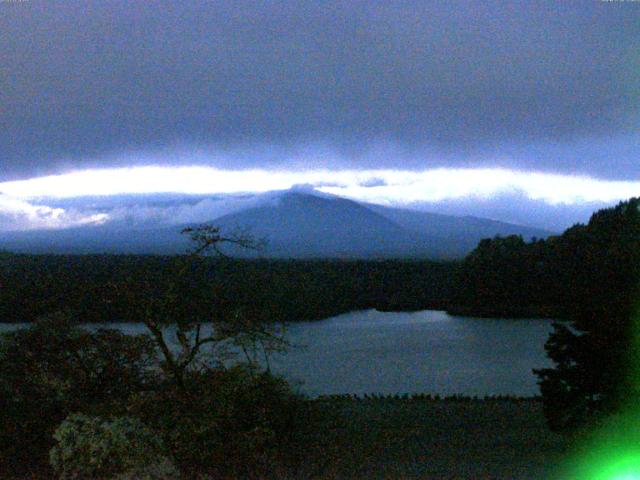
{"type": "Point", "coordinates": [596, 355]}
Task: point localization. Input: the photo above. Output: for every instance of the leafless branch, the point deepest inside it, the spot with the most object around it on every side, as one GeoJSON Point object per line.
{"type": "Point", "coordinates": [208, 238]}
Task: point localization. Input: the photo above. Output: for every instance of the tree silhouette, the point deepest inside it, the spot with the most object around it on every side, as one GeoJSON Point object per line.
{"type": "Point", "coordinates": [596, 355]}
{"type": "Point", "coordinates": [172, 321]}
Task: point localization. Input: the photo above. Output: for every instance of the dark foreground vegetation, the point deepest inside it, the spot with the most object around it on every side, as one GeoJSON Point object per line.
{"type": "Point", "coordinates": [76, 404]}
{"type": "Point", "coordinates": [80, 404]}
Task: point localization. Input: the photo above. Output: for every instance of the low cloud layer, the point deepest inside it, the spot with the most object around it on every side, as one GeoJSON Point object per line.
{"type": "Point", "coordinates": [151, 196]}
{"type": "Point", "coordinates": [16, 215]}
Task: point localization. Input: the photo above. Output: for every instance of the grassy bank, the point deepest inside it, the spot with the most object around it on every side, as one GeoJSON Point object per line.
{"type": "Point", "coordinates": [432, 439]}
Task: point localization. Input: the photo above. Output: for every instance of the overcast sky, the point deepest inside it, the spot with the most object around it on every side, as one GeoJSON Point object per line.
{"type": "Point", "coordinates": [550, 87]}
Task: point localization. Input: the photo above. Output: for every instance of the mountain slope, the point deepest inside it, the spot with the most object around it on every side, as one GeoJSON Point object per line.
{"type": "Point", "coordinates": [459, 234]}
{"type": "Point", "coordinates": [304, 225]}
{"type": "Point", "coordinates": [96, 240]}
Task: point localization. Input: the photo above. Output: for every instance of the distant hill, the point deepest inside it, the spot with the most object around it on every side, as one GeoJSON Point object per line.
{"type": "Point", "coordinates": [457, 236]}
{"type": "Point", "coordinates": [297, 224]}
{"type": "Point", "coordinates": [96, 239]}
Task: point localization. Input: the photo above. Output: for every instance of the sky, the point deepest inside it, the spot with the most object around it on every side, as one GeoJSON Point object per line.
{"type": "Point", "coordinates": [524, 111]}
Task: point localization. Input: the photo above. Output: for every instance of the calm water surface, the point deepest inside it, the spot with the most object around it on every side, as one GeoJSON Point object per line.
{"type": "Point", "coordinates": [417, 352]}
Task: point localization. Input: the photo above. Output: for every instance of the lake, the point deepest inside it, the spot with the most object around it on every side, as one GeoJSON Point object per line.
{"type": "Point", "coordinates": [410, 352]}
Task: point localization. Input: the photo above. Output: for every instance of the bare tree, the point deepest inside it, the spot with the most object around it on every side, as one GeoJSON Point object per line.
{"type": "Point", "coordinates": [239, 328]}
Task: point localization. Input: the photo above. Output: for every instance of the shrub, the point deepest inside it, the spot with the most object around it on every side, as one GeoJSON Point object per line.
{"type": "Point", "coordinates": [123, 447]}
{"type": "Point", "coordinates": [54, 368]}
{"type": "Point", "coordinates": [227, 423]}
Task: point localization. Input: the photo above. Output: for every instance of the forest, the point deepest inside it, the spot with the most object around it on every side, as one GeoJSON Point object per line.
{"type": "Point", "coordinates": [107, 288]}
{"type": "Point", "coordinates": [588, 265]}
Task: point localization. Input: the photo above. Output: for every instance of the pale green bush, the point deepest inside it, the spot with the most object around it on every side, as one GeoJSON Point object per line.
{"type": "Point", "coordinates": [121, 448]}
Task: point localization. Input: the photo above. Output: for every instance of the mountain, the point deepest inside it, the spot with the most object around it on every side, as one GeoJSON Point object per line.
{"type": "Point", "coordinates": [296, 224]}
{"type": "Point", "coordinates": [305, 225]}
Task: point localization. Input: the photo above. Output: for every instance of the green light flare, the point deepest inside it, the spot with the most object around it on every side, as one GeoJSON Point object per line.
{"type": "Point", "coordinates": [611, 451]}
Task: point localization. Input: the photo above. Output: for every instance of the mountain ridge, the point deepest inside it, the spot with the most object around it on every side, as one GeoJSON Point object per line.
{"type": "Point", "coordinates": [298, 224]}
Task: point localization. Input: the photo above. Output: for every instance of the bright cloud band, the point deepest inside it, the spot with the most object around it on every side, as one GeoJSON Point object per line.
{"type": "Point", "coordinates": [16, 214]}
{"type": "Point", "coordinates": [378, 186]}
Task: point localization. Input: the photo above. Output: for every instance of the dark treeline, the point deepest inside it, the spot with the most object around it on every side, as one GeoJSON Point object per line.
{"type": "Point", "coordinates": [106, 288]}
{"type": "Point", "coordinates": [585, 266]}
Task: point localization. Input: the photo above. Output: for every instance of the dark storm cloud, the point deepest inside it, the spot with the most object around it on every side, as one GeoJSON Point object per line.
{"type": "Point", "coordinates": [86, 83]}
